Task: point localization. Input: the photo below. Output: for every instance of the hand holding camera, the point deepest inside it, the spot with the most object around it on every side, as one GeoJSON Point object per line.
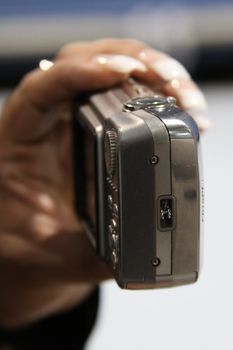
{"type": "Point", "coordinates": [46, 262]}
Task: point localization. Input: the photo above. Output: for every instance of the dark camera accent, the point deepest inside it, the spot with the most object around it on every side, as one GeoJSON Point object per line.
{"type": "Point", "coordinates": [166, 213]}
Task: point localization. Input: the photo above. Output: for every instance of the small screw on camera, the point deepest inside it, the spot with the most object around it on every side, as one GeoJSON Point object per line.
{"type": "Point", "coordinates": [154, 160]}
{"type": "Point", "coordinates": [155, 262]}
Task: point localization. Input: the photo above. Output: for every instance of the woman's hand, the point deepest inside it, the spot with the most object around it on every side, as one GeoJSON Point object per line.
{"type": "Point", "coordinates": [46, 262]}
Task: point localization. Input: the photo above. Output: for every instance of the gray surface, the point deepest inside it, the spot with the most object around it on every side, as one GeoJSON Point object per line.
{"type": "Point", "coordinates": [194, 317]}
{"type": "Point", "coordinates": [194, 25]}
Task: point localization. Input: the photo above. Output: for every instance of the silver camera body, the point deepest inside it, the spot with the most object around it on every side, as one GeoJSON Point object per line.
{"type": "Point", "coordinates": [138, 187]}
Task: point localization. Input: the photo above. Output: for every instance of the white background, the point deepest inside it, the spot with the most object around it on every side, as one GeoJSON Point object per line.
{"type": "Point", "coordinates": [193, 317]}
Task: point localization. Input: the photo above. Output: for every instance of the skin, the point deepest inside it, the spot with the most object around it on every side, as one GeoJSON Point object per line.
{"type": "Point", "coordinates": [46, 262]}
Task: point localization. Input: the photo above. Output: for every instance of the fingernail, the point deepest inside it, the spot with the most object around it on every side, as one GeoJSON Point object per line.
{"type": "Point", "coordinates": [202, 121]}
{"type": "Point", "coordinates": [169, 69]}
{"type": "Point", "coordinates": [165, 66]}
{"type": "Point", "coordinates": [121, 64]}
{"type": "Point", "coordinates": [45, 65]}
{"type": "Point", "coordinates": [192, 99]}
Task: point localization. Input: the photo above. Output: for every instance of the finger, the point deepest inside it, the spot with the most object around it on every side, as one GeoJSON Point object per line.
{"type": "Point", "coordinates": [26, 115]}
{"type": "Point", "coordinates": [173, 79]}
{"type": "Point", "coordinates": [168, 76]}
{"type": "Point", "coordinates": [164, 72]}
{"type": "Point", "coordinates": [191, 99]}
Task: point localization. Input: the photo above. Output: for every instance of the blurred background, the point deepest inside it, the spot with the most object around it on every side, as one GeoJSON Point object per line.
{"type": "Point", "coordinates": [200, 34]}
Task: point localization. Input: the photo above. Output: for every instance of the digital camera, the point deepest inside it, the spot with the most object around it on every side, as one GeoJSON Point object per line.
{"type": "Point", "coordinates": [137, 184]}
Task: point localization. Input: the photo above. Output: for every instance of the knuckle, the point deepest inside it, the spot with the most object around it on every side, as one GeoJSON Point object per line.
{"type": "Point", "coordinates": [121, 43]}
{"type": "Point", "coordinates": [27, 82]}
{"type": "Point", "coordinates": [65, 50]}
{"type": "Point", "coordinates": [71, 48]}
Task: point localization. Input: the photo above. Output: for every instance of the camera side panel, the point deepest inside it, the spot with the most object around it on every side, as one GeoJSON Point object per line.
{"type": "Point", "coordinates": [134, 180]}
